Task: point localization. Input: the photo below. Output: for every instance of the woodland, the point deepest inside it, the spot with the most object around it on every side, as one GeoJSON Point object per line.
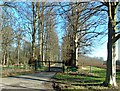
{"type": "Point", "coordinates": [59, 31]}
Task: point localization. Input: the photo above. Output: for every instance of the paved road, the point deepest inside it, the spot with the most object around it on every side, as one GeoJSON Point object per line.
{"type": "Point", "coordinates": [34, 82]}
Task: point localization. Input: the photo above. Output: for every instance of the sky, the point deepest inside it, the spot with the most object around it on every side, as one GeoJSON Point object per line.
{"type": "Point", "coordinates": [100, 50]}
{"type": "Point", "coordinates": [100, 47]}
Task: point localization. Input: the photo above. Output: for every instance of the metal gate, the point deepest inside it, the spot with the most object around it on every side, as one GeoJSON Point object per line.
{"type": "Point", "coordinates": [50, 66]}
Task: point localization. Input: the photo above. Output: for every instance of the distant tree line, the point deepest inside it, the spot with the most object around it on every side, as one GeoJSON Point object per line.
{"type": "Point", "coordinates": [29, 32]}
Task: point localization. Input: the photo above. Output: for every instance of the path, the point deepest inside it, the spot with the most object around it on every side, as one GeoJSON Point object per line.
{"type": "Point", "coordinates": [34, 82]}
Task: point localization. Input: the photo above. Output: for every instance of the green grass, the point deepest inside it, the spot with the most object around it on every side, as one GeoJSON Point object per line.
{"type": "Point", "coordinates": [19, 70]}
{"type": "Point", "coordinates": [14, 67]}
{"type": "Point", "coordinates": [16, 70]}
{"type": "Point", "coordinates": [84, 78]}
{"type": "Point", "coordinates": [42, 68]}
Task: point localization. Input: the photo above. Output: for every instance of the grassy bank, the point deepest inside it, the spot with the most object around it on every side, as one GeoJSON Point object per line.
{"type": "Point", "coordinates": [19, 70]}
{"type": "Point", "coordinates": [14, 70]}
{"type": "Point", "coordinates": [84, 79]}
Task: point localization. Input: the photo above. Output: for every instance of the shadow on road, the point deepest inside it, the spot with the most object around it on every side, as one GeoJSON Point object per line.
{"type": "Point", "coordinates": [26, 90]}
{"type": "Point", "coordinates": [39, 81]}
{"type": "Point", "coordinates": [38, 76]}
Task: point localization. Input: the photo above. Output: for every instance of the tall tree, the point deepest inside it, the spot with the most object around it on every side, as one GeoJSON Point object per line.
{"type": "Point", "coordinates": [112, 38]}
{"type": "Point", "coordinates": [111, 8]}
{"type": "Point", "coordinates": [99, 9]}
{"type": "Point", "coordinates": [34, 30]}
{"type": "Point", "coordinates": [77, 30]}
{"type": "Point", "coordinates": [41, 29]}
{"type": "Point", "coordinates": [7, 34]}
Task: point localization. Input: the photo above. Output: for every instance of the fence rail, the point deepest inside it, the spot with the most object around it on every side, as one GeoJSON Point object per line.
{"type": "Point", "coordinates": [52, 64]}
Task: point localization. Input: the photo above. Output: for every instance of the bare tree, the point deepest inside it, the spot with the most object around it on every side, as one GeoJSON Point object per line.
{"type": "Point", "coordinates": [7, 34]}
{"type": "Point", "coordinates": [41, 29]}
{"type": "Point", "coordinates": [112, 38]}
{"type": "Point", "coordinates": [100, 10]}
{"type": "Point", "coordinates": [34, 30]}
{"type": "Point", "coordinates": [77, 30]}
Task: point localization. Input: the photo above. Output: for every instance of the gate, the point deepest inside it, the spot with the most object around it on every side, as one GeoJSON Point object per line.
{"type": "Point", "coordinates": [51, 66]}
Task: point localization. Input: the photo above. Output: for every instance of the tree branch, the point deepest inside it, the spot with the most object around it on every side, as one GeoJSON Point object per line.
{"type": "Point", "coordinates": [115, 39]}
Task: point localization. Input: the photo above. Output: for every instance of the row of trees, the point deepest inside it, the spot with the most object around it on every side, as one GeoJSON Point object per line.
{"type": "Point", "coordinates": [82, 23]}
{"type": "Point", "coordinates": [78, 37]}
{"type": "Point", "coordinates": [29, 33]}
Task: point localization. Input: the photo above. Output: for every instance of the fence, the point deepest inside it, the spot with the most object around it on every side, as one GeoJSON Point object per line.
{"type": "Point", "coordinates": [56, 66]}
{"type": "Point", "coordinates": [50, 65]}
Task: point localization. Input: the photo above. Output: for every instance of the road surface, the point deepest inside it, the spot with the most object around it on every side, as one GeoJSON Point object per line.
{"type": "Point", "coordinates": [34, 82]}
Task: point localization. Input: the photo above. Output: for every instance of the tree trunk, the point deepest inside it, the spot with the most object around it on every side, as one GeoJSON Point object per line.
{"type": "Point", "coordinates": [34, 32]}
{"type": "Point", "coordinates": [5, 57]}
{"type": "Point", "coordinates": [42, 28]}
{"type": "Point", "coordinates": [111, 61]}
{"type": "Point", "coordinates": [40, 31]}
{"type": "Point", "coordinates": [76, 41]}
{"type": "Point", "coordinates": [18, 52]}
{"type": "Point", "coordinates": [46, 47]}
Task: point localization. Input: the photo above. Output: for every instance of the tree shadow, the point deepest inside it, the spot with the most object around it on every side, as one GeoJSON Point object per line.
{"type": "Point", "coordinates": [87, 75]}
{"type": "Point", "coordinates": [22, 88]}
{"type": "Point", "coordinates": [80, 80]}
{"type": "Point", "coordinates": [88, 84]}
{"type": "Point", "coordinates": [40, 78]}
{"type": "Point", "coordinates": [26, 89]}
{"type": "Point", "coordinates": [35, 77]}
{"type": "Point", "coordinates": [53, 69]}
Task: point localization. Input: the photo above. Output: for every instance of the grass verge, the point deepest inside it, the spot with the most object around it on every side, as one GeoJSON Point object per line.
{"type": "Point", "coordinates": [84, 80]}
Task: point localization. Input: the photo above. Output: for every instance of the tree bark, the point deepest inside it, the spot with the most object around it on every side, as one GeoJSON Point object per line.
{"type": "Point", "coordinates": [111, 61]}
{"type": "Point", "coordinates": [76, 41]}
{"type": "Point", "coordinates": [34, 32]}
{"type": "Point", "coordinates": [18, 51]}
{"type": "Point", "coordinates": [40, 31]}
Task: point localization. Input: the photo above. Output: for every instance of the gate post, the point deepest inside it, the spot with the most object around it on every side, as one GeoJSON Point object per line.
{"type": "Point", "coordinates": [63, 66]}
{"type": "Point", "coordinates": [49, 66]}
{"type": "Point", "coordinates": [90, 69]}
{"type": "Point", "coordinates": [35, 65]}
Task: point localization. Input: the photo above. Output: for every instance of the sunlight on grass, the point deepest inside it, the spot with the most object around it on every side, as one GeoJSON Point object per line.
{"type": "Point", "coordinates": [84, 78]}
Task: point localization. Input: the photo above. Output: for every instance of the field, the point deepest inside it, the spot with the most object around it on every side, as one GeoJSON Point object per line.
{"type": "Point", "coordinates": [84, 80]}
{"type": "Point", "coordinates": [15, 70]}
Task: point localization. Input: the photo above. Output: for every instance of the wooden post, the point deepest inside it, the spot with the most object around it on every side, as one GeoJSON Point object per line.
{"type": "Point", "coordinates": [90, 69]}
{"type": "Point", "coordinates": [63, 66]}
{"type": "Point", "coordinates": [49, 66]}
